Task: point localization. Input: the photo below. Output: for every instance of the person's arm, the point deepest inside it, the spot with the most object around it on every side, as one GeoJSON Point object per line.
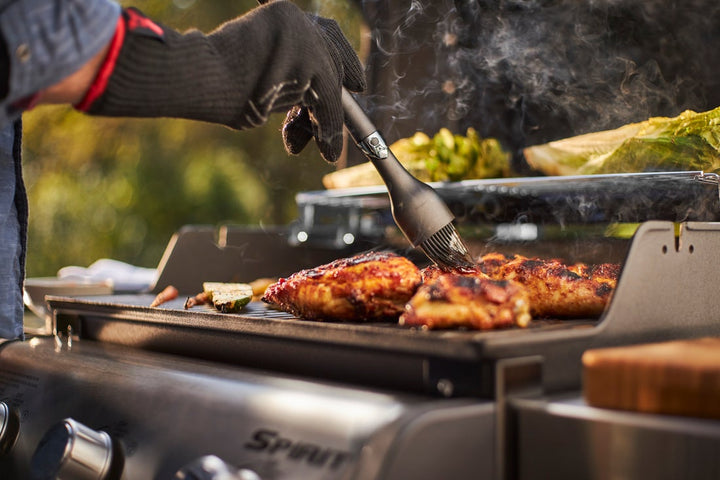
{"type": "Point", "coordinates": [272, 59]}
{"type": "Point", "coordinates": [275, 58]}
{"type": "Point", "coordinates": [72, 89]}
{"type": "Point", "coordinates": [47, 42]}
{"type": "Point", "coordinates": [69, 90]}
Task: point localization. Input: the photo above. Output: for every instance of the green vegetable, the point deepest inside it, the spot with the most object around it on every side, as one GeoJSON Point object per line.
{"type": "Point", "coordinates": [690, 141]}
{"type": "Point", "coordinates": [449, 157]}
{"type": "Point", "coordinates": [228, 297]}
{"type": "Point", "coordinates": [444, 157]}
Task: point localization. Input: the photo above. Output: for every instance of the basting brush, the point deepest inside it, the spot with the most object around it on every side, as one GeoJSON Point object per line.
{"type": "Point", "coordinates": [418, 210]}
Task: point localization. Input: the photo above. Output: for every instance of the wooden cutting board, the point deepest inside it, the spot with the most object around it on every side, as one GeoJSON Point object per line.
{"type": "Point", "coordinates": [679, 377]}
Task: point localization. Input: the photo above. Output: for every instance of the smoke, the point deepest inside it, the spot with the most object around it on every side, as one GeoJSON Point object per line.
{"type": "Point", "coordinates": [530, 71]}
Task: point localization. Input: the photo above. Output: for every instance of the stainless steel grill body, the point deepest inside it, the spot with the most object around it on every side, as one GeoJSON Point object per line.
{"type": "Point", "coordinates": [165, 412]}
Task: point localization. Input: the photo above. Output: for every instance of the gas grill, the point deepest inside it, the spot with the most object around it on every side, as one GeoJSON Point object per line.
{"type": "Point", "coordinates": [119, 389]}
{"type": "Point", "coordinates": [110, 388]}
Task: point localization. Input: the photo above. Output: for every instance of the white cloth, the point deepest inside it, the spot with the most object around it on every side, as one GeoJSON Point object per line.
{"type": "Point", "coordinates": [123, 276]}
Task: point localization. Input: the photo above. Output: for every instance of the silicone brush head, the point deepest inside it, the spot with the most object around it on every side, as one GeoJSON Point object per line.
{"type": "Point", "coordinates": [447, 249]}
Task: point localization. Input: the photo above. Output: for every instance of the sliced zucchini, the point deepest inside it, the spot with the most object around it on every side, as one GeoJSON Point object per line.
{"type": "Point", "coordinates": [228, 297]}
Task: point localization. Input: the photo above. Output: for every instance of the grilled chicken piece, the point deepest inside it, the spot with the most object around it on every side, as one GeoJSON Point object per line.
{"type": "Point", "coordinates": [491, 262]}
{"type": "Point", "coordinates": [431, 273]}
{"type": "Point", "coordinates": [556, 289]}
{"type": "Point", "coordinates": [467, 300]}
{"type": "Point", "coordinates": [367, 287]}
{"type": "Point", "coordinates": [602, 272]}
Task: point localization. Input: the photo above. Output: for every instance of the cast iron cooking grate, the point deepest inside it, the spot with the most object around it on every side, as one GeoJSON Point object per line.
{"type": "Point", "coordinates": [136, 307]}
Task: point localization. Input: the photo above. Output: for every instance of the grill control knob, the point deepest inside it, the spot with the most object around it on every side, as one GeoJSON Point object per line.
{"type": "Point", "coordinates": [71, 450]}
{"type": "Point", "coordinates": [9, 428]}
{"type": "Point", "coordinates": [211, 467]}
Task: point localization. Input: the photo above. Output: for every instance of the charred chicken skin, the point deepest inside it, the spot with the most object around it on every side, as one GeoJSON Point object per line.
{"type": "Point", "coordinates": [554, 288]}
{"type": "Point", "coordinates": [466, 300]}
{"type": "Point", "coordinates": [367, 287]}
{"type": "Point", "coordinates": [433, 272]}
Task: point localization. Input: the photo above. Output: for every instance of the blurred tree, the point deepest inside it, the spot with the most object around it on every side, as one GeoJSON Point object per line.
{"type": "Point", "coordinates": [119, 188]}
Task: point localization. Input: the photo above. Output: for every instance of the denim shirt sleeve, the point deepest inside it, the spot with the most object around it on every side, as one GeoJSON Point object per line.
{"type": "Point", "coordinates": [13, 229]}
{"type": "Point", "coordinates": [47, 40]}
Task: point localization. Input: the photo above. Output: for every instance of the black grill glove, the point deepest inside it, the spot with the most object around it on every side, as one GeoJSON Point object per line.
{"type": "Point", "coordinates": [300, 126]}
{"type": "Point", "coordinates": [269, 60]}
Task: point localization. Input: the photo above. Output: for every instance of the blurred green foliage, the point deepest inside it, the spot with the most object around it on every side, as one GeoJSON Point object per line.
{"type": "Point", "coordinates": [119, 188]}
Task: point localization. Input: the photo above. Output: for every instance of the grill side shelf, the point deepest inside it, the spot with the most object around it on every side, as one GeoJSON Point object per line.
{"type": "Point", "coordinates": [668, 287]}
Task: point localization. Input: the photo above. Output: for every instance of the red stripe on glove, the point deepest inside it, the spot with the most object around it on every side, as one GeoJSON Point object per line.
{"type": "Point", "coordinates": [136, 20]}
{"type": "Point", "coordinates": [106, 69]}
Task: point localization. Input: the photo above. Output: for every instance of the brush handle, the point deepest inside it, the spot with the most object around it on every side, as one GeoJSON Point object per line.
{"type": "Point", "coordinates": [418, 210]}
{"type": "Point", "coordinates": [356, 121]}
